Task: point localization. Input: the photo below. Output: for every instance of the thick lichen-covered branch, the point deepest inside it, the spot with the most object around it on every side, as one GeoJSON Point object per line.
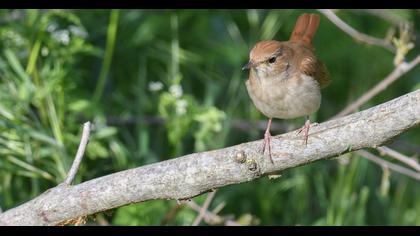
{"type": "Point", "coordinates": [188, 176]}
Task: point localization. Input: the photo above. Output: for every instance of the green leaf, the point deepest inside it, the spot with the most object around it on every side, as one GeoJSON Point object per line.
{"type": "Point", "coordinates": [105, 132]}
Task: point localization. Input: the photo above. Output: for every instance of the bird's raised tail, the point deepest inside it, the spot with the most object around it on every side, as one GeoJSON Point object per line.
{"type": "Point", "coordinates": [305, 28]}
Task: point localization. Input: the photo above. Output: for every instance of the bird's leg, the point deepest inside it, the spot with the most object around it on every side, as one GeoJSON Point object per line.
{"type": "Point", "coordinates": [267, 140]}
{"type": "Point", "coordinates": [305, 129]}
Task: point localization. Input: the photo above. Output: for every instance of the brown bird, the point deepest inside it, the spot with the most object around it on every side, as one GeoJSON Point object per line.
{"type": "Point", "coordinates": [285, 78]}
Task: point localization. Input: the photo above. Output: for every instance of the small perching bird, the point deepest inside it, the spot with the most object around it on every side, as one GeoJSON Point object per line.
{"type": "Point", "coordinates": [285, 78]}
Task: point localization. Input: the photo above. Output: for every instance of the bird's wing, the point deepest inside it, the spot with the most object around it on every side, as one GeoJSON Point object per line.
{"type": "Point", "coordinates": [315, 68]}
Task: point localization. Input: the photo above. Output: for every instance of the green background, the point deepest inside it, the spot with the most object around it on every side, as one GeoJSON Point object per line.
{"type": "Point", "coordinates": [124, 71]}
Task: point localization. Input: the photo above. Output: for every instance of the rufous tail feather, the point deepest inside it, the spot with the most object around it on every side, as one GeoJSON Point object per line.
{"type": "Point", "coordinates": [305, 28]}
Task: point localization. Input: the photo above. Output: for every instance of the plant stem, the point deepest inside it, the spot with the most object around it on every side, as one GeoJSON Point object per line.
{"type": "Point", "coordinates": [109, 50]}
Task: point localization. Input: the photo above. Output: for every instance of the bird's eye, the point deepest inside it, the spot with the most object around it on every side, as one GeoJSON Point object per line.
{"type": "Point", "coordinates": [272, 60]}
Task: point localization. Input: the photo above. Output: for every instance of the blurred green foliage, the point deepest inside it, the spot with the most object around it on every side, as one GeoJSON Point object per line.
{"type": "Point", "coordinates": [129, 70]}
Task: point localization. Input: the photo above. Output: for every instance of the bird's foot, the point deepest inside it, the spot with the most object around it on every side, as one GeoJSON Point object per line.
{"type": "Point", "coordinates": [305, 129]}
{"type": "Point", "coordinates": [267, 142]}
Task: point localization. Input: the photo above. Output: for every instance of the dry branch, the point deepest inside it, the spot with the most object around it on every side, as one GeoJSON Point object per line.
{"type": "Point", "coordinates": [194, 174]}
{"type": "Point", "coordinates": [400, 70]}
{"type": "Point", "coordinates": [387, 164]}
{"type": "Point", "coordinates": [212, 218]}
{"type": "Point", "coordinates": [79, 155]}
{"type": "Point", "coordinates": [204, 208]}
{"type": "Point", "coordinates": [354, 33]}
{"type": "Point", "coordinates": [400, 157]}
{"type": "Point", "coordinates": [385, 14]}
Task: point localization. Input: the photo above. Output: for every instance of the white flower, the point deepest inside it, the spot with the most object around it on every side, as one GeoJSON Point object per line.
{"type": "Point", "coordinates": [155, 86]}
{"type": "Point", "coordinates": [52, 27]}
{"type": "Point", "coordinates": [78, 31]}
{"type": "Point", "coordinates": [14, 37]}
{"type": "Point", "coordinates": [45, 51]}
{"type": "Point", "coordinates": [176, 90]}
{"type": "Point", "coordinates": [62, 36]}
{"type": "Point", "coordinates": [181, 107]}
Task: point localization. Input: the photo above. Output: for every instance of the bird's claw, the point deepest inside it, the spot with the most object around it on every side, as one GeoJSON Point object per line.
{"type": "Point", "coordinates": [305, 129]}
{"type": "Point", "coordinates": [267, 141]}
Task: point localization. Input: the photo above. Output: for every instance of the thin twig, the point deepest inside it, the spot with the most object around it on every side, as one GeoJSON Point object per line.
{"type": "Point", "coordinates": [171, 214]}
{"type": "Point", "coordinates": [210, 217]}
{"type": "Point", "coordinates": [204, 208]}
{"type": "Point", "coordinates": [406, 146]}
{"type": "Point", "coordinates": [396, 155]}
{"type": "Point", "coordinates": [218, 208]}
{"type": "Point", "coordinates": [400, 70]}
{"type": "Point", "coordinates": [354, 33]}
{"type": "Point", "coordinates": [384, 14]}
{"type": "Point", "coordinates": [79, 155]}
{"type": "Point", "coordinates": [168, 217]}
{"type": "Point", "coordinates": [387, 164]}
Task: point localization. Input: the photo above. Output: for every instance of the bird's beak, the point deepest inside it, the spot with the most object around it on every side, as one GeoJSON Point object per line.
{"type": "Point", "coordinates": [248, 65]}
